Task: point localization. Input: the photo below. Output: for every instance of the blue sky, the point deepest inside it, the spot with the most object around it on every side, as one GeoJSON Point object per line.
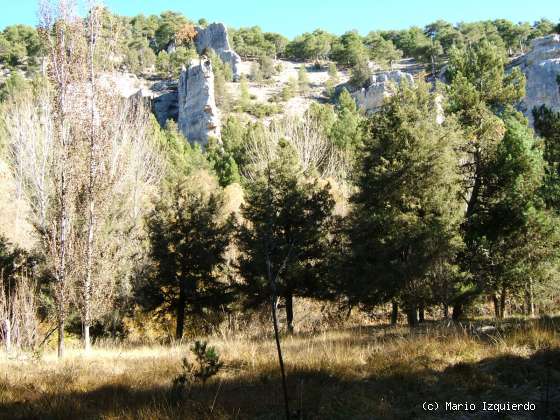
{"type": "Point", "coordinates": [292, 17]}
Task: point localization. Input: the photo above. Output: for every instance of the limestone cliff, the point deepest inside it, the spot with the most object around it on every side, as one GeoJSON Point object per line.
{"type": "Point", "coordinates": [381, 85]}
{"type": "Point", "coordinates": [215, 36]}
{"type": "Point", "coordinates": [541, 66]}
{"type": "Point", "coordinates": [198, 115]}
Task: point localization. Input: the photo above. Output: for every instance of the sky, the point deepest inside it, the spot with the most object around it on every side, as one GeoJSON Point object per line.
{"type": "Point", "coordinates": [293, 17]}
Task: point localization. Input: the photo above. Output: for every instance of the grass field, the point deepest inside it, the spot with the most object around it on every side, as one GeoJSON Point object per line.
{"type": "Point", "coordinates": [355, 373]}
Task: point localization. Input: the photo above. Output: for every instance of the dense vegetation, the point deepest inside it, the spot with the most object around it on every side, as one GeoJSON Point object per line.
{"type": "Point", "coordinates": [443, 204]}
{"type": "Point", "coordinates": [142, 42]}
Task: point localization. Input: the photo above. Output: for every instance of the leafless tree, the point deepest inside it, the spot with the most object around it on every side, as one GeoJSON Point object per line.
{"type": "Point", "coordinates": [315, 150]}
{"type": "Point", "coordinates": [18, 313]}
{"type": "Point", "coordinates": [27, 120]}
{"type": "Point", "coordinates": [62, 34]}
{"type": "Point", "coordinates": [121, 165]}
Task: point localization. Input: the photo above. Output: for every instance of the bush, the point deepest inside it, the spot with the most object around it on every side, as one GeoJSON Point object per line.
{"type": "Point", "coordinates": [267, 67]}
{"type": "Point", "coordinates": [360, 74]}
{"type": "Point", "coordinates": [289, 90]}
{"type": "Point", "coordinates": [259, 109]}
{"type": "Point", "coordinates": [256, 73]}
{"type": "Point", "coordinates": [303, 80]}
{"type": "Point", "coordinates": [206, 364]}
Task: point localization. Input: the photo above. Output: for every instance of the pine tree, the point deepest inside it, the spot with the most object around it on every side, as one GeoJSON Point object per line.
{"type": "Point", "coordinates": [303, 80]}
{"type": "Point", "coordinates": [512, 237]}
{"type": "Point", "coordinates": [346, 131]}
{"type": "Point", "coordinates": [407, 210]}
{"type": "Point", "coordinates": [283, 240]}
{"type": "Point", "coordinates": [479, 90]}
{"type": "Point", "coordinates": [223, 163]}
{"type": "Point", "coordinates": [188, 238]}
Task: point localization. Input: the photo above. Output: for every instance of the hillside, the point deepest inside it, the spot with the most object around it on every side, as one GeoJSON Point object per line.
{"type": "Point", "coordinates": [206, 222]}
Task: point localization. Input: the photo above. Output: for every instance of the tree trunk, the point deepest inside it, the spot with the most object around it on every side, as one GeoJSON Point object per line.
{"type": "Point", "coordinates": [8, 335]}
{"type": "Point", "coordinates": [473, 199]}
{"type": "Point", "coordinates": [394, 312]}
{"type": "Point", "coordinates": [349, 312]}
{"type": "Point", "coordinates": [61, 272]}
{"type": "Point", "coordinates": [181, 311]}
{"type": "Point", "coordinates": [92, 166]}
{"type": "Point", "coordinates": [273, 301]}
{"type": "Point", "coordinates": [89, 266]}
{"type": "Point", "coordinates": [289, 312]}
{"type": "Point", "coordinates": [412, 316]}
{"type": "Point", "coordinates": [60, 336]}
{"type": "Point", "coordinates": [529, 298]}
{"type": "Point", "coordinates": [457, 311]}
{"type": "Point", "coordinates": [503, 303]}
{"type": "Point", "coordinates": [87, 339]}
{"type": "Point", "coordinates": [496, 306]}
{"type": "Point", "coordinates": [445, 311]}
{"type": "Point", "coordinates": [421, 313]}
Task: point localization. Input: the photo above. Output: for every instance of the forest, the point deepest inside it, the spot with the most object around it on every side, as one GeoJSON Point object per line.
{"type": "Point", "coordinates": [330, 264]}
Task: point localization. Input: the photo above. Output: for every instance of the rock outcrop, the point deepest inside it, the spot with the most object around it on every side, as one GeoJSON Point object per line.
{"type": "Point", "coordinates": [165, 100]}
{"type": "Point", "coordinates": [541, 66]}
{"type": "Point", "coordinates": [198, 115]}
{"type": "Point", "coordinates": [381, 86]}
{"type": "Point", "coordinates": [215, 36]}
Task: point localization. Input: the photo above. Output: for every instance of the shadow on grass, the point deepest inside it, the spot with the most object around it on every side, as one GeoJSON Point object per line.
{"type": "Point", "coordinates": [318, 395]}
{"type": "Point", "coordinates": [398, 391]}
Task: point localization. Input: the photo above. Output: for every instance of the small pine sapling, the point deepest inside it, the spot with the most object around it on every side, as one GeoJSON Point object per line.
{"type": "Point", "coordinates": [206, 364]}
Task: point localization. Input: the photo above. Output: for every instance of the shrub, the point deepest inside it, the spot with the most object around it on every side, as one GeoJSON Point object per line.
{"type": "Point", "coordinates": [289, 90]}
{"type": "Point", "coordinates": [206, 364]}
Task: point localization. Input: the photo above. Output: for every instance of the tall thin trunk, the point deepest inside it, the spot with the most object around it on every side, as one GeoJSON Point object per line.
{"type": "Point", "coordinates": [289, 311]}
{"type": "Point", "coordinates": [496, 303]}
{"type": "Point", "coordinates": [272, 283]}
{"type": "Point", "coordinates": [412, 316]}
{"type": "Point", "coordinates": [181, 311]}
{"type": "Point", "coordinates": [530, 299]}
{"type": "Point", "coordinates": [61, 272]}
{"type": "Point", "coordinates": [60, 328]}
{"type": "Point", "coordinates": [92, 164]}
{"type": "Point", "coordinates": [473, 199]}
{"type": "Point", "coordinates": [394, 312]}
{"type": "Point", "coordinates": [421, 313]}
{"type": "Point", "coordinates": [8, 335]}
{"type": "Point", "coordinates": [503, 303]}
{"type": "Point", "coordinates": [59, 31]}
{"type": "Point", "coordinates": [445, 310]}
{"type": "Point", "coordinates": [457, 312]}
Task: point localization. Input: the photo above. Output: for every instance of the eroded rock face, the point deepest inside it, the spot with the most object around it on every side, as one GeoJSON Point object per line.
{"type": "Point", "coordinates": [382, 85]}
{"type": "Point", "coordinates": [215, 36]}
{"type": "Point", "coordinates": [541, 67]}
{"type": "Point", "coordinates": [164, 99]}
{"type": "Point", "coordinates": [199, 117]}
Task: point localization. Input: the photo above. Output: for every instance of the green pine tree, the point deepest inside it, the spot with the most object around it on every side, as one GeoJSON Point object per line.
{"type": "Point", "coordinates": [283, 240]}
{"type": "Point", "coordinates": [407, 210]}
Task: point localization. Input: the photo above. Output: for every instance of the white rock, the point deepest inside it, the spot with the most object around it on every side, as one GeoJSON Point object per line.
{"type": "Point", "coordinates": [215, 36]}
{"type": "Point", "coordinates": [381, 86]}
{"type": "Point", "coordinates": [198, 115]}
{"type": "Point", "coordinates": [541, 67]}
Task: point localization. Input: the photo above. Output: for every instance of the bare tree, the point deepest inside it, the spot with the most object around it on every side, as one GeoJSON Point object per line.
{"type": "Point", "coordinates": [84, 159]}
{"type": "Point", "coordinates": [312, 144]}
{"type": "Point", "coordinates": [62, 34]}
{"type": "Point", "coordinates": [92, 168]}
{"type": "Point", "coordinates": [18, 313]}
{"type": "Point", "coordinates": [121, 164]}
{"type": "Point", "coordinates": [27, 120]}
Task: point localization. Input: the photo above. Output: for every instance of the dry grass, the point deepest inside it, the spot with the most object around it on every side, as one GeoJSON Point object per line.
{"type": "Point", "coordinates": [354, 373]}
